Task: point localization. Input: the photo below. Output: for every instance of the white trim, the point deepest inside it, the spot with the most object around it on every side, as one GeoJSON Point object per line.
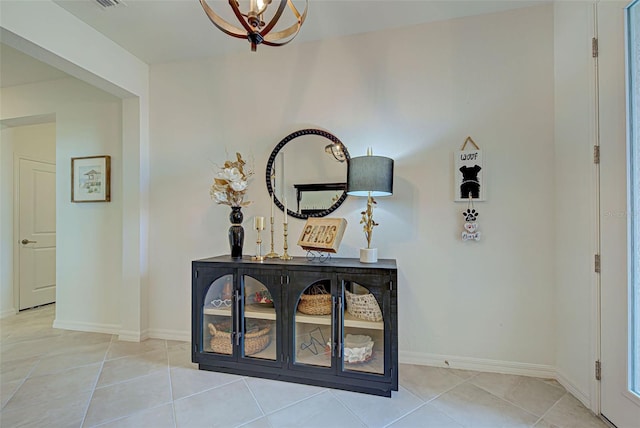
{"type": "Point", "coordinates": [495, 366]}
{"type": "Point", "coordinates": [478, 364]}
{"type": "Point", "coordinates": [7, 313]}
{"type": "Point", "coordinates": [592, 400]}
{"type": "Point", "coordinates": [123, 335]}
{"type": "Point", "coordinates": [15, 231]}
{"type": "Point", "coordinates": [132, 335]}
{"type": "Point", "coordinates": [573, 390]}
{"type": "Point", "coordinates": [87, 327]}
{"type": "Point", "coordinates": [177, 335]}
{"type": "Point", "coordinates": [630, 132]}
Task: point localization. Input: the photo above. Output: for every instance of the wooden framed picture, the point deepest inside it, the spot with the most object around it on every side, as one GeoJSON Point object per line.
{"type": "Point", "coordinates": [91, 179]}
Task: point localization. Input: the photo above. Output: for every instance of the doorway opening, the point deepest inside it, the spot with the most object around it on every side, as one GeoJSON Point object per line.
{"type": "Point", "coordinates": [28, 220]}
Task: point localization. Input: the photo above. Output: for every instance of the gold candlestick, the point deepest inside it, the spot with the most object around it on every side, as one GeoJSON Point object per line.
{"type": "Point", "coordinates": [259, 225]}
{"type": "Point", "coordinates": [285, 255]}
{"type": "Point", "coordinates": [272, 254]}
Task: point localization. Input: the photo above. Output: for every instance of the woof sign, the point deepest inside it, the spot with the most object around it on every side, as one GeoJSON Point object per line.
{"type": "Point", "coordinates": [469, 176]}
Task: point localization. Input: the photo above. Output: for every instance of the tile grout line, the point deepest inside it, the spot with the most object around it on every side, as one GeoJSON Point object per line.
{"type": "Point", "coordinates": [295, 402]}
{"type": "Point", "coordinates": [209, 389]}
{"type": "Point", "coordinates": [22, 383]}
{"type": "Point", "coordinates": [519, 406]}
{"type": "Point", "coordinates": [95, 384]}
{"type": "Point", "coordinates": [554, 405]}
{"type": "Point", "coordinates": [120, 418]}
{"type": "Point", "coordinates": [244, 380]}
{"type": "Point", "coordinates": [424, 403]}
{"type": "Point", "coordinates": [127, 380]}
{"type": "Point", "coordinates": [135, 356]}
{"type": "Point", "coordinates": [334, 395]}
{"type": "Point", "coordinates": [173, 404]}
{"type": "Point", "coordinates": [24, 379]}
{"type": "Point", "coordinates": [449, 390]}
{"type": "Point", "coordinates": [515, 404]}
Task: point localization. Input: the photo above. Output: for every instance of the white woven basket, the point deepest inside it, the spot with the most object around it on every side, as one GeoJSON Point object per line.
{"type": "Point", "coordinates": [363, 306]}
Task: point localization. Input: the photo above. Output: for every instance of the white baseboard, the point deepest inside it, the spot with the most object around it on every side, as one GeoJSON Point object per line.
{"type": "Point", "coordinates": [7, 313]}
{"type": "Point", "coordinates": [478, 364]}
{"type": "Point", "coordinates": [124, 335]}
{"type": "Point", "coordinates": [132, 335]}
{"type": "Point", "coordinates": [495, 366]}
{"type": "Point", "coordinates": [573, 390]}
{"type": "Point", "coordinates": [178, 335]}
{"type": "Point", "coordinates": [86, 326]}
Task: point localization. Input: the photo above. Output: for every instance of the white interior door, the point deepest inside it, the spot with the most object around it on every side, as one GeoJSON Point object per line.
{"type": "Point", "coordinates": [37, 233]}
{"type": "Point", "coordinates": [620, 402]}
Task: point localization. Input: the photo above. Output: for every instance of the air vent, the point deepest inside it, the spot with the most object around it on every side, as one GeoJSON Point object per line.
{"type": "Point", "coordinates": [109, 3]}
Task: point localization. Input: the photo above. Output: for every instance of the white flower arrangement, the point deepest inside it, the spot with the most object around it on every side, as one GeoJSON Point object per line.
{"type": "Point", "coordinates": [231, 183]}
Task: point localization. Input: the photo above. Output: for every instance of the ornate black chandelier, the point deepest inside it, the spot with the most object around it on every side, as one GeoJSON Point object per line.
{"type": "Point", "coordinates": [254, 27]}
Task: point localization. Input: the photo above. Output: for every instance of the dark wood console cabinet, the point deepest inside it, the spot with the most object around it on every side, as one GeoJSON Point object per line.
{"type": "Point", "coordinates": [296, 321]}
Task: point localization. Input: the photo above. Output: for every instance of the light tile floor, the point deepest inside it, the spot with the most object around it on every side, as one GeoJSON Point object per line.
{"type": "Point", "coordinates": [58, 378]}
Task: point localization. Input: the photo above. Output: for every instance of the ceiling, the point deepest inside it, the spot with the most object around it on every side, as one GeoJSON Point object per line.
{"type": "Point", "coordinates": [158, 31]}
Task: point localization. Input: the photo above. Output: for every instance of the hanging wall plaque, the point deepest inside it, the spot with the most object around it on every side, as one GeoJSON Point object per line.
{"type": "Point", "coordinates": [471, 224]}
{"type": "Point", "coordinates": [469, 173]}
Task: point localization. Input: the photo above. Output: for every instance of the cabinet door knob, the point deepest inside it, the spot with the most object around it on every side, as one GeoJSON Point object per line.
{"type": "Point", "coordinates": [25, 241]}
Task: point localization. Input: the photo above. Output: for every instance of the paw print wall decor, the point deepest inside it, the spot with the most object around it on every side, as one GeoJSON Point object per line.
{"type": "Point", "coordinates": [471, 225]}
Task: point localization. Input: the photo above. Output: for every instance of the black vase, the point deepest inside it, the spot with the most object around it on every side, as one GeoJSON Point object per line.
{"type": "Point", "coordinates": [236, 233]}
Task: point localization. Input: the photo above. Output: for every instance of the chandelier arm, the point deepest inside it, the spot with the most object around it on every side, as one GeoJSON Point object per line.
{"type": "Point", "coordinates": [275, 44]}
{"type": "Point", "coordinates": [270, 39]}
{"type": "Point", "coordinates": [295, 10]}
{"type": "Point", "coordinates": [221, 24]}
{"type": "Point", "coordinates": [241, 18]}
{"type": "Point", "coordinates": [275, 18]}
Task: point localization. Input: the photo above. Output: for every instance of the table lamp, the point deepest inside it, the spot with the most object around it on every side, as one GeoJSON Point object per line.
{"type": "Point", "coordinates": [369, 176]}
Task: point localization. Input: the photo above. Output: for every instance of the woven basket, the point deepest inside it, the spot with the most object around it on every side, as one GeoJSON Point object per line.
{"type": "Point", "coordinates": [363, 306]}
{"type": "Point", "coordinates": [315, 304]}
{"type": "Point", "coordinates": [254, 341]}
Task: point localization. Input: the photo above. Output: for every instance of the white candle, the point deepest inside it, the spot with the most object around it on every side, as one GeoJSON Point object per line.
{"type": "Point", "coordinates": [285, 210]}
{"type": "Point", "coordinates": [259, 223]}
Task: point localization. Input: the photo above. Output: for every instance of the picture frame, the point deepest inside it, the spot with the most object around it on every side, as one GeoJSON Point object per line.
{"type": "Point", "coordinates": [469, 176]}
{"type": "Point", "coordinates": [91, 179]}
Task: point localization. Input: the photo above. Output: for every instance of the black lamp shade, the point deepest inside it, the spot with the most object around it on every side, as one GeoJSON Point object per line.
{"type": "Point", "coordinates": [370, 174]}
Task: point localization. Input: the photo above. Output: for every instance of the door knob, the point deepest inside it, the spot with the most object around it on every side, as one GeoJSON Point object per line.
{"type": "Point", "coordinates": [26, 241]}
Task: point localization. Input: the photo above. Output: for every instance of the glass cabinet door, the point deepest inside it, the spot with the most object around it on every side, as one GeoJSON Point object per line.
{"type": "Point", "coordinates": [217, 317]}
{"type": "Point", "coordinates": [313, 325]}
{"type": "Point", "coordinates": [260, 320]}
{"type": "Point", "coordinates": [363, 347]}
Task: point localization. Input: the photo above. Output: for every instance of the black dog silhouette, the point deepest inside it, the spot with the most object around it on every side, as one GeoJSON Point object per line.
{"type": "Point", "coordinates": [470, 183]}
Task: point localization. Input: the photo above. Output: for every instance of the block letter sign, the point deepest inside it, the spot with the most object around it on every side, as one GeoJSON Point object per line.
{"type": "Point", "coordinates": [322, 234]}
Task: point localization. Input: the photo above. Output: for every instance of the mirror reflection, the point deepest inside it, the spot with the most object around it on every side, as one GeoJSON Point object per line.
{"type": "Point", "coordinates": [308, 170]}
